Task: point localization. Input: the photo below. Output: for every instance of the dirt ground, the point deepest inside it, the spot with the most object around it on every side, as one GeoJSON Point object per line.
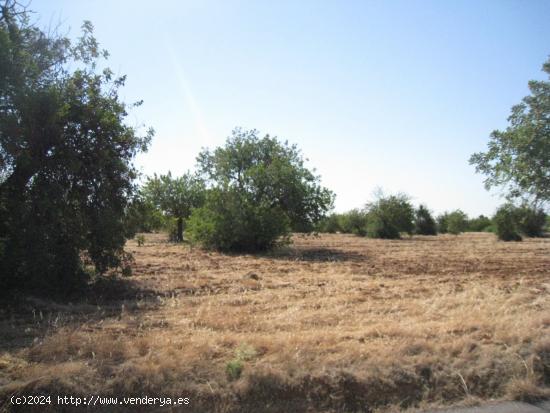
{"type": "Point", "coordinates": [331, 323]}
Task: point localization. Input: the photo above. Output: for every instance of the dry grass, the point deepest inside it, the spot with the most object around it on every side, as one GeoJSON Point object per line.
{"type": "Point", "coordinates": [334, 323]}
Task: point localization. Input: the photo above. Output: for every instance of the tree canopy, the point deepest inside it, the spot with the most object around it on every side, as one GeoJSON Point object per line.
{"type": "Point", "coordinates": [518, 158]}
{"type": "Point", "coordinates": [175, 196]}
{"type": "Point", "coordinates": [259, 190]}
{"type": "Point", "coordinates": [390, 215]}
{"type": "Point", "coordinates": [66, 154]}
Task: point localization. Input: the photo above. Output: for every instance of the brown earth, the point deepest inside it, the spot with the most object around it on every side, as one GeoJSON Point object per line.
{"type": "Point", "coordinates": [331, 323]}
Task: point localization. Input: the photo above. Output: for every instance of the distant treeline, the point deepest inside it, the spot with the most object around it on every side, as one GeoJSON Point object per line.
{"type": "Point", "coordinates": [391, 216]}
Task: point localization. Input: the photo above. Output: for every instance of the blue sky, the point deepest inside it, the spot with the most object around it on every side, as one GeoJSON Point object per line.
{"type": "Point", "coordinates": [391, 94]}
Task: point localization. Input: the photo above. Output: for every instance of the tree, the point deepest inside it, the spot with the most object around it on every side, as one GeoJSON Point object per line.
{"type": "Point", "coordinates": [457, 222]}
{"type": "Point", "coordinates": [260, 190]}
{"type": "Point", "coordinates": [518, 158]}
{"type": "Point", "coordinates": [175, 197]}
{"type": "Point", "coordinates": [142, 216]}
{"type": "Point", "coordinates": [424, 222]}
{"type": "Point", "coordinates": [388, 216]}
{"type": "Point", "coordinates": [506, 223]}
{"type": "Point", "coordinates": [66, 154]}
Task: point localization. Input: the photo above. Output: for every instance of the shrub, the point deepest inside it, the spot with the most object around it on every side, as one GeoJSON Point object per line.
{"type": "Point", "coordinates": [506, 223]}
{"type": "Point", "coordinates": [531, 221]}
{"type": "Point", "coordinates": [479, 224]}
{"type": "Point", "coordinates": [424, 222]}
{"type": "Point", "coordinates": [443, 223]}
{"type": "Point", "coordinates": [234, 369]}
{"type": "Point", "coordinates": [330, 224]}
{"type": "Point", "coordinates": [388, 216]}
{"type": "Point", "coordinates": [227, 222]}
{"type": "Point", "coordinates": [457, 222]}
{"type": "Point", "coordinates": [353, 222]}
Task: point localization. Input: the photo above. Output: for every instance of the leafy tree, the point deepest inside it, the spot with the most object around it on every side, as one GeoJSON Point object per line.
{"type": "Point", "coordinates": [519, 157]}
{"type": "Point", "coordinates": [265, 192]}
{"type": "Point", "coordinates": [142, 216]}
{"type": "Point", "coordinates": [457, 222]}
{"type": "Point", "coordinates": [66, 154]}
{"type": "Point", "coordinates": [175, 197]}
{"type": "Point", "coordinates": [424, 222]}
{"type": "Point", "coordinates": [506, 223]}
{"type": "Point", "coordinates": [388, 216]}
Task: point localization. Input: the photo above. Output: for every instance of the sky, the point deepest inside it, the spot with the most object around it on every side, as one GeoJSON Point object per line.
{"type": "Point", "coordinates": [377, 94]}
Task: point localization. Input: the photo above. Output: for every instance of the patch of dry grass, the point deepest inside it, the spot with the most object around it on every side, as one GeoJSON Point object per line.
{"type": "Point", "coordinates": [333, 323]}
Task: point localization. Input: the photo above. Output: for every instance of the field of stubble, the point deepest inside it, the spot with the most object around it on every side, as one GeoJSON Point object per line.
{"type": "Point", "coordinates": [331, 323]}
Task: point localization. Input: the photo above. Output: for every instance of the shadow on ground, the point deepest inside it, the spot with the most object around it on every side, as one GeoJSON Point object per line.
{"type": "Point", "coordinates": [24, 319]}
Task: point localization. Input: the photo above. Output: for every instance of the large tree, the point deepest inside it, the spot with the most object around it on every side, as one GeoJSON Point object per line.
{"type": "Point", "coordinates": [518, 158]}
{"type": "Point", "coordinates": [175, 197]}
{"type": "Point", "coordinates": [66, 155]}
{"type": "Point", "coordinates": [259, 190]}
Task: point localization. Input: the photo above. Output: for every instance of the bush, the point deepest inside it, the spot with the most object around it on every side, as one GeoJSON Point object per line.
{"type": "Point", "coordinates": [353, 222]}
{"type": "Point", "coordinates": [479, 224]}
{"type": "Point", "coordinates": [443, 223]}
{"type": "Point", "coordinates": [531, 221]}
{"type": "Point", "coordinates": [234, 369]}
{"type": "Point", "coordinates": [424, 222]}
{"type": "Point", "coordinates": [388, 216]}
{"type": "Point", "coordinates": [330, 224]}
{"type": "Point", "coordinates": [227, 222]}
{"type": "Point", "coordinates": [506, 223]}
{"type": "Point", "coordinates": [457, 222]}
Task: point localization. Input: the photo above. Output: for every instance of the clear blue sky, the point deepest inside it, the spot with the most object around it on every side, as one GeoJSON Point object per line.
{"type": "Point", "coordinates": [391, 94]}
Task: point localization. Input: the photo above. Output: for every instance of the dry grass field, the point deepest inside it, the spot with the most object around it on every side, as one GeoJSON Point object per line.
{"type": "Point", "coordinates": [331, 323]}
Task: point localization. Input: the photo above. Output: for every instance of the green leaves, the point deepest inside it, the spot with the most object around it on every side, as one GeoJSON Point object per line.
{"type": "Point", "coordinates": [259, 190]}
{"type": "Point", "coordinates": [518, 158]}
{"type": "Point", "coordinates": [66, 153]}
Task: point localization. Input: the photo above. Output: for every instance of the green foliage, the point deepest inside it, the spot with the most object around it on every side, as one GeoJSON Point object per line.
{"type": "Point", "coordinates": [443, 223]}
{"type": "Point", "coordinates": [230, 222]}
{"type": "Point", "coordinates": [234, 369]}
{"type": "Point", "coordinates": [424, 222]}
{"type": "Point", "coordinates": [329, 224]}
{"type": "Point", "coordinates": [175, 197]}
{"type": "Point", "coordinates": [388, 216]}
{"type": "Point", "coordinates": [66, 154]}
{"type": "Point", "coordinates": [353, 222]}
{"type": "Point", "coordinates": [142, 216]}
{"type": "Point", "coordinates": [479, 224]}
{"type": "Point", "coordinates": [260, 191]}
{"type": "Point", "coordinates": [457, 222]}
{"type": "Point", "coordinates": [506, 223]}
{"type": "Point", "coordinates": [519, 157]}
{"type": "Point", "coordinates": [531, 221]}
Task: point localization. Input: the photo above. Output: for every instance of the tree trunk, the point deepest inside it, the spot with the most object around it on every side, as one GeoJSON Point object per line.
{"type": "Point", "coordinates": [179, 236]}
